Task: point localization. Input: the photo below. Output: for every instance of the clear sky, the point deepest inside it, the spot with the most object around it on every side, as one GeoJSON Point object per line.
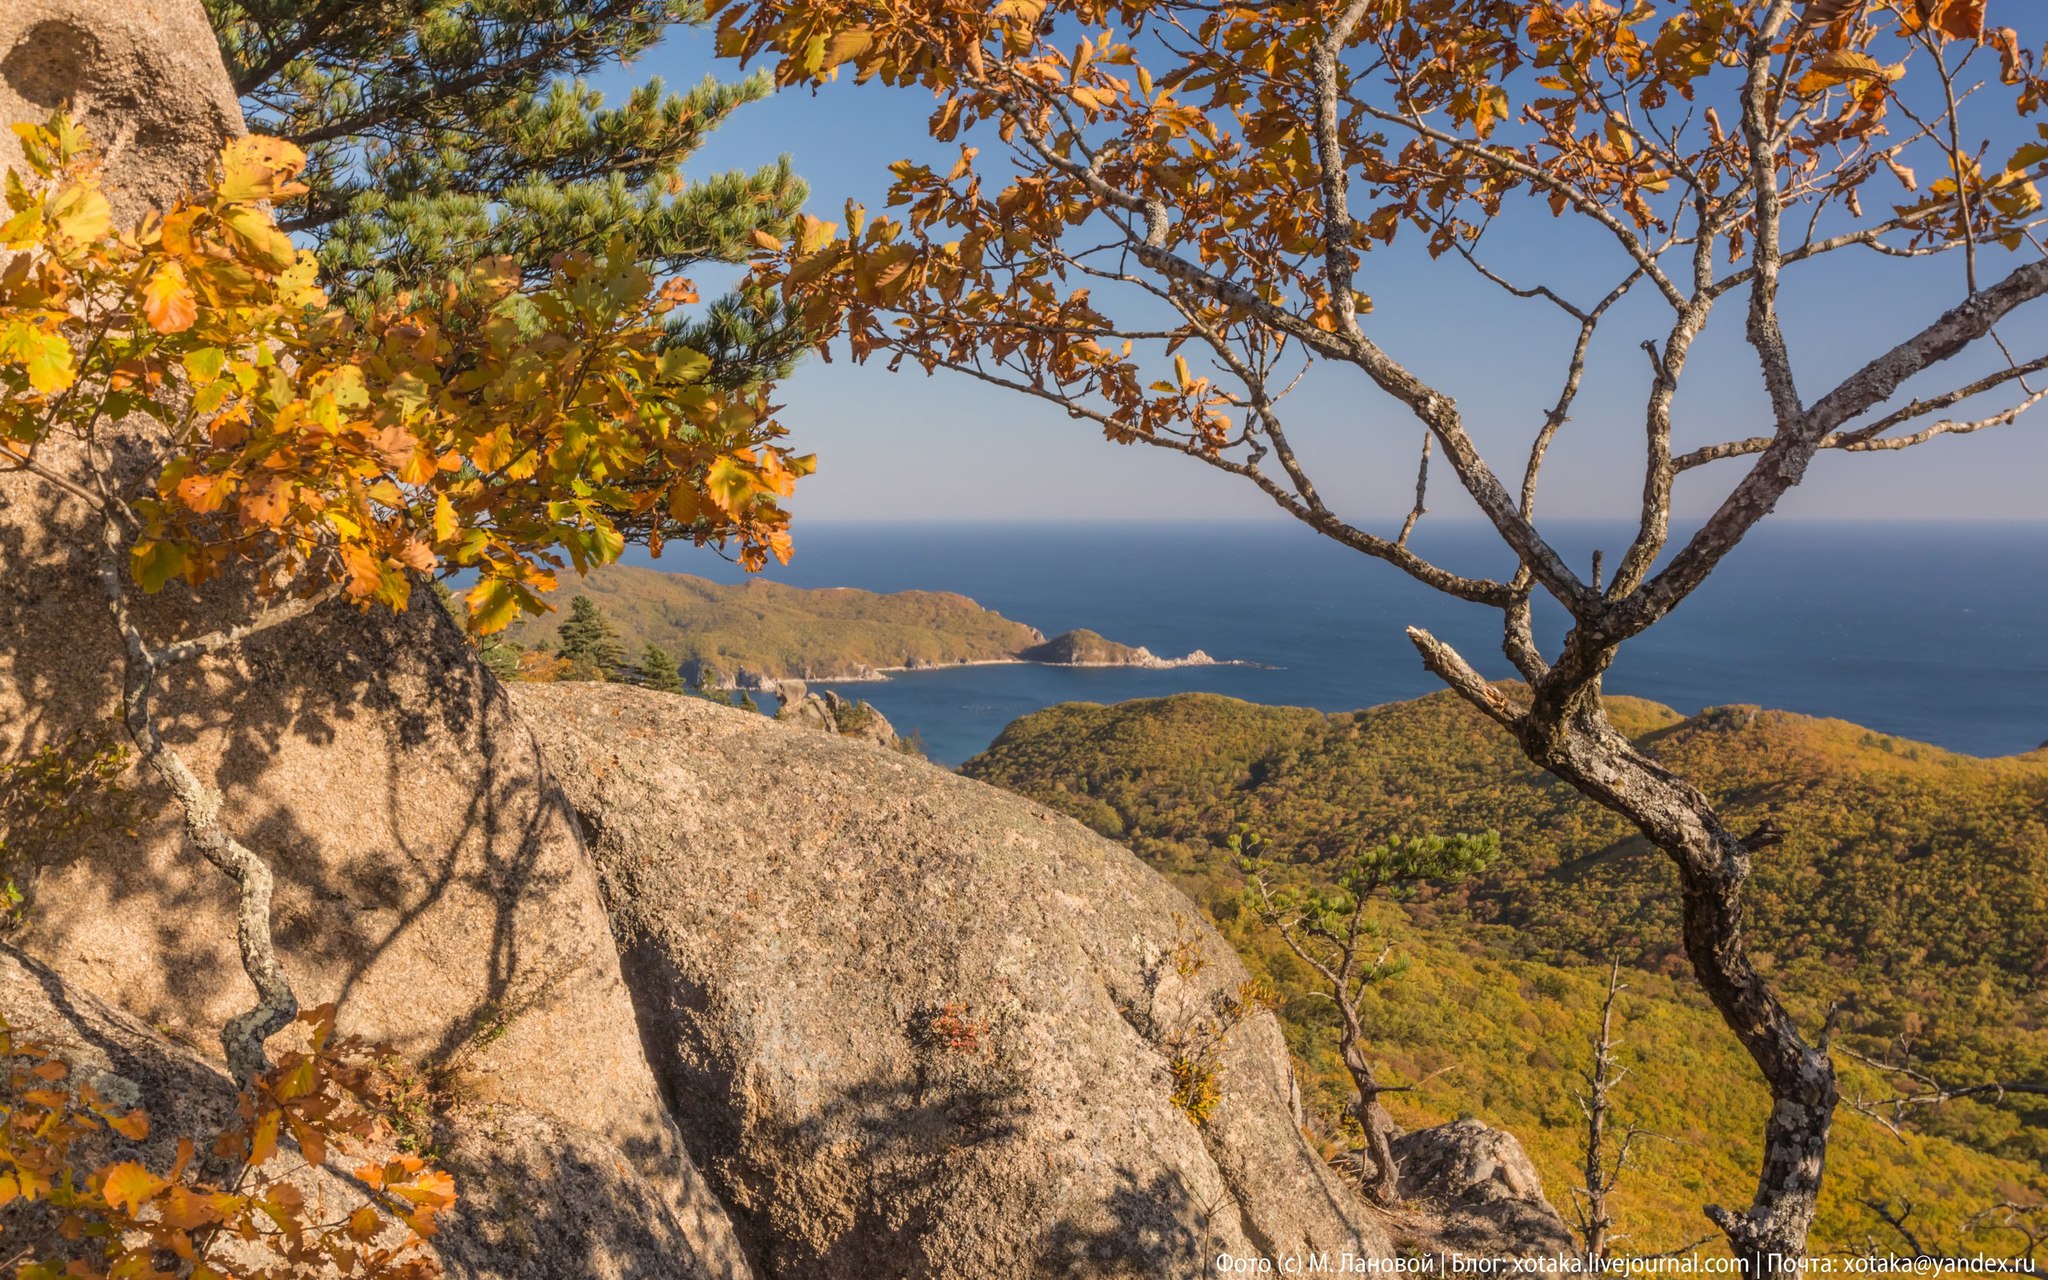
{"type": "Point", "coordinates": [904, 446]}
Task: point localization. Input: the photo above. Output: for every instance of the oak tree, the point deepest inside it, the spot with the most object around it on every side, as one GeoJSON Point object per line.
{"type": "Point", "coordinates": [74, 1214]}
{"type": "Point", "coordinates": [1163, 213]}
{"type": "Point", "coordinates": [300, 454]}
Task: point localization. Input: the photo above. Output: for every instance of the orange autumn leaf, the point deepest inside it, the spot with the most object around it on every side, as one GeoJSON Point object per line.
{"type": "Point", "coordinates": [130, 1186]}
{"type": "Point", "coordinates": [168, 303]}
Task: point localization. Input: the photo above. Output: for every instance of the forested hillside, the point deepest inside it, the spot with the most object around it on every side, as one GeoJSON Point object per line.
{"type": "Point", "coordinates": [1912, 885]}
{"type": "Point", "coordinates": [779, 631]}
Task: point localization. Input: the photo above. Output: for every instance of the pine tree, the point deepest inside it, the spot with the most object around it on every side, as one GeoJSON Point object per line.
{"type": "Point", "coordinates": [706, 688]}
{"type": "Point", "coordinates": [659, 671]}
{"type": "Point", "coordinates": [441, 132]}
{"type": "Point", "coordinates": [588, 636]}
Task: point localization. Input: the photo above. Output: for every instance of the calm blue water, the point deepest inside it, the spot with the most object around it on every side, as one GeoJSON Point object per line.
{"type": "Point", "coordinates": [1898, 627]}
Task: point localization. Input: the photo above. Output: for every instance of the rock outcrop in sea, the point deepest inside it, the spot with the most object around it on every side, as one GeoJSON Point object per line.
{"type": "Point", "coordinates": [1084, 648]}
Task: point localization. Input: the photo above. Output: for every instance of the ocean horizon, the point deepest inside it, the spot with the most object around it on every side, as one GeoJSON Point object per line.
{"type": "Point", "coordinates": [1936, 631]}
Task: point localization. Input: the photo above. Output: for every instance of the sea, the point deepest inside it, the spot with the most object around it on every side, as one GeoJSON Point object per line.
{"type": "Point", "coordinates": [1936, 632]}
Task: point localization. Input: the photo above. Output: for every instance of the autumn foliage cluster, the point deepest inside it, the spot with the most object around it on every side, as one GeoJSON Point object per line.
{"type": "Point", "coordinates": [83, 1218]}
{"type": "Point", "coordinates": [490, 425]}
{"type": "Point", "coordinates": [499, 425]}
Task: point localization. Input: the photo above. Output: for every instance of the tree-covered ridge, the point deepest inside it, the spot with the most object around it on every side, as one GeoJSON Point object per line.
{"type": "Point", "coordinates": [1511, 1036]}
{"type": "Point", "coordinates": [779, 632]}
{"type": "Point", "coordinates": [1920, 876]}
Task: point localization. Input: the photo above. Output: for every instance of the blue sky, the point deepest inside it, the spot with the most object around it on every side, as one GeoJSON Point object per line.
{"type": "Point", "coordinates": [904, 446]}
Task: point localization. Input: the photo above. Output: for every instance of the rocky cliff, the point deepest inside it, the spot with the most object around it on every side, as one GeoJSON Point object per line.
{"type": "Point", "coordinates": [917, 1027]}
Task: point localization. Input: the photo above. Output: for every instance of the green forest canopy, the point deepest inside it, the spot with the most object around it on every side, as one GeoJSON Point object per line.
{"type": "Point", "coordinates": [779, 631]}
{"type": "Point", "coordinates": [1911, 879]}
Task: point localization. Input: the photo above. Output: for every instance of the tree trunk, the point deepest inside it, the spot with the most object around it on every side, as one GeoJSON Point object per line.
{"type": "Point", "coordinates": [1382, 1179]}
{"type": "Point", "coordinates": [1574, 740]}
{"type": "Point", "coordinates": [1597, 1223]}
{"type": "Point", "coordinates": [245, 1035]}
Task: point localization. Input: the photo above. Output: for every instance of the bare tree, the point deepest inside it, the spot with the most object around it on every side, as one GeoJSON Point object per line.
{"type": "Point", "coordinates": [2028, 1222]}
{"type": "Point", "coordinates": [1332, 932]}
{"type": "Point", "coordinates": [1913, 1088]}
{"type": "Point", "coordinates": [1895, 1216]}
{"type": "Point", "coordinates": [1227, 205]}
{"type": "Point", "coordinates": [1607, 1154]}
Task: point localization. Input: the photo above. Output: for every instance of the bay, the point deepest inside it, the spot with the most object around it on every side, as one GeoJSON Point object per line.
{"type": "Point", "coordinates": [1934, 632]}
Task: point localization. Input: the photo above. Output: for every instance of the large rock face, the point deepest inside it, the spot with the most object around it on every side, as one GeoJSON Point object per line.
{"type": "Point", "coordinates": [431, 879]}
{"type": "Point", "coordinates": [918, 1027]}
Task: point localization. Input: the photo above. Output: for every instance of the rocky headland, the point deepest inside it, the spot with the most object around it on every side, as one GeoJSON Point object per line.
{"type": "Point", "coordinates": [755, 634]}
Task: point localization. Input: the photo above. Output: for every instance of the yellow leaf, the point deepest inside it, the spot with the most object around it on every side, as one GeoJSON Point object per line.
{"type": "Point", "coordinates": [80, 214]}
{"type": "Point", "coordinates": [152, 564]}
{"type": "Point", "coordinates": [263, 1144]}
{"type": "Point", "coordinates": [133, 1126]}
{"type": "Point", "coordinates": [168, 303]}
{"type": "Point", "coordinates": [766, 241]}
{"type": "Point", "coordinates": [728, 484]}
{"type": "Point", "coordinates": [312, 1143]}
{"type": "Point", "coordinates": [272, 249]}
{"type": "Point", "coordinates": [847, 45]}
{"type": "Point", "coordinates": [415, 555]}
{"type": "Point", "coordinates": [364, 1224]}
{"type": "Point", "coordinates": [204, 492]}
{"type": "Point", "coordinates": [204, 364]}
{"type": "Point", "coordinates": [46, 356]}
{"type": "Point", "coordinates": [130, 1186]}
{"type": "Point", "coordinates": [492, 603]}
{"type": "Point", "coordinates": [256, 168]}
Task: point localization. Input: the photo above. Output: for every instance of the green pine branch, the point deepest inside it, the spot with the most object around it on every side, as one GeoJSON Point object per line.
{"type": "Point", "coordinates": [440, 132]}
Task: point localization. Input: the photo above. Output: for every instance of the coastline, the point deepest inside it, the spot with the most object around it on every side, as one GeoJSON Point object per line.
{"type": "Point", "coordinates": [881, 675]}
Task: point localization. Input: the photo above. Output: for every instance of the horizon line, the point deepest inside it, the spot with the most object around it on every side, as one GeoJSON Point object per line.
{"type": "Point", "coordinates": [798, 520]}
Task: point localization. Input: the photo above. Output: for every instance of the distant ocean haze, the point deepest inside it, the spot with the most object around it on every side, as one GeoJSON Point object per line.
{"type": "Point", "coordinates": [1933, 632]}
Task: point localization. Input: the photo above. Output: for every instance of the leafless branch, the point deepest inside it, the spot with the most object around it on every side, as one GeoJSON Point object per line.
{"type": "Point", "coordinates": [1421, 508]}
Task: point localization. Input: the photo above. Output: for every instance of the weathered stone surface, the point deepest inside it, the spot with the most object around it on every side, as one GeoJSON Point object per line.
{"type": "Point", "coordinates": [144, 76]}
{"type": "Point", "coordinates": [827, 712]}
{"type": "Point", "coordinates": [537, 1201]}
{"type": "Point", "coordinates": [1483, 1191]}
{"type": "Point", "coordinates": [431, 879]}
{"type": "Point", "coordinates": [917, 1027]}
